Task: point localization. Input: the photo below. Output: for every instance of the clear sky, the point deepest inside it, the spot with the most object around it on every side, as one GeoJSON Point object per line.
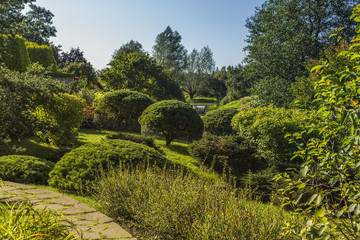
{"type": "Point", "coordinates": [100, 27]}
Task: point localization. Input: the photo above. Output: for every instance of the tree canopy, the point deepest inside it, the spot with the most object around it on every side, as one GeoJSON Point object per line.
{"type": "Point", "coordinates": [139, 72]}
{"type": "Point", "coordinates": [130, 47]}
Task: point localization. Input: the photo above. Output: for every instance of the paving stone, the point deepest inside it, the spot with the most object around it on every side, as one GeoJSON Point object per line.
{"type": "Point", "coordinates": [7, 188]}
{"type": "Point", "coordinates": [17, 199]}
{"type": "Point", "coordinates": [19, 185]}
{"type": "Point", "coordinates": [54, 207]}
{"type": "Point", "coordinates": [64, 200]}
{"type": "Point", "coordinates": [95, 216]}
{"type": "Point", "coordinates": [115, 231]}
{"type": "Point", "coordinates": [37, 191]}
{"type": "Point", "coordinates": [84, 223]}
{"type": "Point", "coordinates": [48, 195]}
{"type": "Point", "coordinates": [78, 208]}
{"type": "Point", "coordinates": [91, 235]}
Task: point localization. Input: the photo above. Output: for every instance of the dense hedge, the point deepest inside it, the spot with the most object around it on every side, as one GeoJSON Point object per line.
{"type": "Point", "coordinates": [25, 169]}
{"type": "Point", "coordinates": [218, 122]}
{"type": "Point", "coordinates": [226, 153]}
{"type": "Point", "coordinates": [14, 53]}
{"type": "Point", "coordinates": [120, 110]}
{"type": "Point", "coordinates": [148, 141]}
{"type": "Point", "coordinates": [173, 119]}
{"type": "Point", "coordinates": [79, 167]}
{"type": "Point", "coordinates": [41, 54]}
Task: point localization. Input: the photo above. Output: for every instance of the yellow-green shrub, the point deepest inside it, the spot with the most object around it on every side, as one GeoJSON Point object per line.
{"type": "Point", "coordinates": [41, 54]}
{"type": "Point", "coordinates": [14, 53]}
{"type": "Point", "coordinates": [62, 115]}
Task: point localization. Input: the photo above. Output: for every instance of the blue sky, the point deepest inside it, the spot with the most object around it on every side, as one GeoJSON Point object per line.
{"type": "Point", "coordinates": [100, 27]}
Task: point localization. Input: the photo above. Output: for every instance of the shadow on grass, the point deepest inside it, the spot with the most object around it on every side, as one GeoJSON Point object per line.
{"type": "Point", "coordinates": [36, 149]}
{"type": "Point", "coordinates": [181, 149]}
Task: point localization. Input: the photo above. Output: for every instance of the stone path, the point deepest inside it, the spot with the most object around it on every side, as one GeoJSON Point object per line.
{"type": "Point", "coordinates": [91, 223]}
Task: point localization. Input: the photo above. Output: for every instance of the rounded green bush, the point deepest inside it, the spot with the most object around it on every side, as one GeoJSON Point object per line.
{"type": "Point", "coordinates": [218, 122]}
{"type": "Point", "coordinates": [120, 110]}
{"type": "Point", "coordinates": [79, 167]}
{"type": "Point", "coordinates": [25, 169]}
{"type": "Point", "coordinates": [173, 119]}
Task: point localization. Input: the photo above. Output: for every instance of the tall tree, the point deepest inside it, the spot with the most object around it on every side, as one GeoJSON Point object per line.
{"type": "Point", "coordinates": [199, 65]}
{"type": "Point", "coordinates": [130, 47]}
{"type": "Point", "coordinates": [74, 55]}
{"type": "Point", "coordinates": [286, 33]}
{"type": "Point", "coordinates": [169, 52]}
{"type": "Point", "coordinates": [35, 24]}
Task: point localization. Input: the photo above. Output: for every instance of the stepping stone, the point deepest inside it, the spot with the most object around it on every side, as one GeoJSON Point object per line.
{"type": "Point", "coordinates": [64, 201]}
{"type": "Point", "coordinates": [115, 231]}
{"type": "Point", "coordinates": [95, 216]}
{"type": "Point", "coordinates": [78, 209]}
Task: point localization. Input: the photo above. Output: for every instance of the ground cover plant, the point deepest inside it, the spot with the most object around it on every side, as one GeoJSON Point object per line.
{"type": "Point", "coordinates": [160, 204]}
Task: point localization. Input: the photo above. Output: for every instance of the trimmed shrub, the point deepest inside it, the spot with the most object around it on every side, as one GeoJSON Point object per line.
{"type": "Point", "coordinates": [173, 119]}
{"type": "Point", "coordinates": [41, 54]}
{"type": "Point", "coordinates": [265, 129]}
{"type": "Point", "coordinates": [78, 168]}
{"type": "Point", "coordinates": [218, 122]}
{"type": "Point", "coordinates": [25, 169]}
{"type": "Point", "coordinates": [15, 55]}
{"type": "Point", "coordinates": [226, 153]}
{"type": "Point", "coordinates": [120, 110]}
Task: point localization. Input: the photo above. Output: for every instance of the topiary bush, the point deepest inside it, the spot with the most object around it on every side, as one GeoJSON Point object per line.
{"type": "Point", "coordinates": [120, 110]}
{"type": "Point", "coordinates": [218, 122]}
{"type": "Point", "coordinates": [79, 167]}
{"type": "Point", "coordinates": [226, 152]}
{"type": "Point", "coordinates": [173, 119]}
{"type": "Point", "coordinates": [25, 169]}
{"type": "Point", "coordinates": [148, 141]}
{"type": "Point", "coordinates": [15, 55]}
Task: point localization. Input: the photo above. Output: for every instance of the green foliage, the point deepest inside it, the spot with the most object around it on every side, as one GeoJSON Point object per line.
{"type": "Point", "coordinates": [265, 129]}
{"type": "Point", "coordinates": [84, 76]}
{"type": "Point", "coordinates": [227, 153]}
{"type": "Point", "coordinates": [79, 167]}
{"type": "Point", "coordinates": [130, 47]}
{"type": "Point", "coordinates": [15, 56]}
{"type": "Point", "coordinates": [24, 18]}
{"type": "Point", "coordinates": [202, 100]}
{"type": "Point", "coordinates": [41, 54]}
{"type": "Point", "coordinates": [173, 205]}
{"type": "Point", "coordinates": [139, 72]}
{"type": "Point", "coordinates": [330, 172]}
{"type": "Point", "coordinates": [173, 119]}
{"type": "Point", "coordinates": [284, 34]}
{"type": "Point", "coordinates": [60, 119]}
{"type": "Point", "coordinates": [23, 221]}
{"type": "Point", "coordinates": [21, 93]}
{"type": "Point", "coordinates": [120, 110]}
{"type": "Point", "coordinates": [218, 122]}
{"type": "Point", "coordinates": [25, 169]}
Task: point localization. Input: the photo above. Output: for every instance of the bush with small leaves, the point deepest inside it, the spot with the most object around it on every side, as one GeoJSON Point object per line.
{"type": "Point", "coordinates": [120, 110]}
{"type": "Point", "coordinates": [25, 169]}
{"type": "Point", "coordinates": [79, 167]}
{"type": "Point", "coordinates": [218, 122]}
{"type": "Point", "coordinates": [173, 119]}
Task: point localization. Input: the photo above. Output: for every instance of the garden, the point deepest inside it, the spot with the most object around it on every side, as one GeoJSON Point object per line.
{"type": "Point", "coordinates": [127, 141]}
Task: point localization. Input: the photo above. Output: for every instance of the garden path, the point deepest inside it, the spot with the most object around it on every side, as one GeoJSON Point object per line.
{"type": "Point", "coordinates": [91, 223]}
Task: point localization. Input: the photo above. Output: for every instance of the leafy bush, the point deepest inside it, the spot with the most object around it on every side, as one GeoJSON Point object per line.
{"type": "Point", "coordinates": [265, 129]}
{"type": "Point", "coordinates": [25, 222]}
{"type": "Point", "coordinates": [226, 152]}
{"type": "Point", "coordinates": [218, 122]}
{"type": "Point", "coordinates": [247, 103]}
{"type": "Point", "coordinates": [14, 55]}
{"type": "Point", "coordinates": [173, 119]}
{"type": "Point", "coordinates": [148, 141]}
{"type": "Point", "coordinates": [120, 110]}
{"type": "Point", "coordinates": [173, 205]}
{"type": "Point", "coordinates": [41, 54]}
{"type": "Point", "coordinates": [79, 167]}
{"type": "Point", "coordinates": [61, 118]}
{"type": "Point", "coordinates": [25, 169]}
